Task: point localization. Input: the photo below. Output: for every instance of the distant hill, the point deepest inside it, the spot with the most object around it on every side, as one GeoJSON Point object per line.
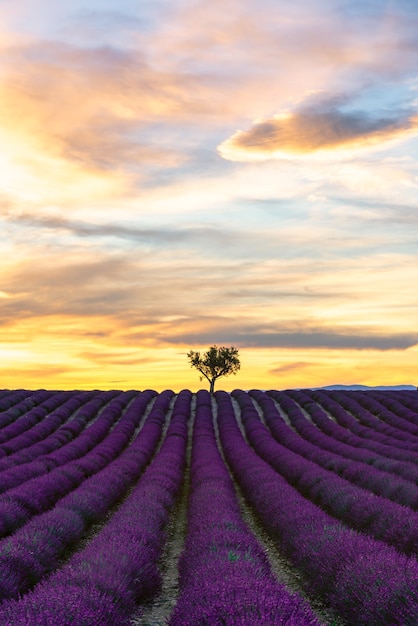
{"type": "Point", "coordinates": [365, 387]}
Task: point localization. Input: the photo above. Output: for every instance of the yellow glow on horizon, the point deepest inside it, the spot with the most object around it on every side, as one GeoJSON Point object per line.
{"type": "Point", "coordinates": [169, 369]}
{"type": "Point", "coordinates": [73, 353]}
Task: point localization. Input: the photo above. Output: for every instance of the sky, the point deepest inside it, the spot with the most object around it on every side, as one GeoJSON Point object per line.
{"type": "Point", "coordinates": [180, 174]}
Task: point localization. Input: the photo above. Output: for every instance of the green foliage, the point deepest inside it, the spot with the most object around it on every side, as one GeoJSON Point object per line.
{"type": "Point", "coordinates": [216, 362]}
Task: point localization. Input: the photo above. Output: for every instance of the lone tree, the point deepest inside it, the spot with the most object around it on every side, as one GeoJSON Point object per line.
{"type": "Point", "coordinates": [214, 363]}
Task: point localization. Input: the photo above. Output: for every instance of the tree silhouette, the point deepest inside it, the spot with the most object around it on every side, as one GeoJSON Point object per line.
{"type": "Point", "coordinates": [216, 362]}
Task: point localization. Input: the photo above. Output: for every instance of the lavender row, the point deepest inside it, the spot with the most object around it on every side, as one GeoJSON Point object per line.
{"type": "Point", "coordinates": [102, 584]}
{"type": "Point", "coordinates": [403, 402]}
{"type": "Point", "coordinates": [383, 483]}
{"type": "Point", "coordinates": [40, 443]}
{"type": "Point", "coordinates": [37, 495]}
{"type": "Point", "coordinates": [39, 423]}
{"type": "Point", "coordinates": [26, 403]}
{"type": "Point", "coordinates": [408, 421]}
{"type": "Point", "coordinates": [12, 397]}
{"type": "Point", "coordinates": [405, 463]}
{"type": "Point", "coordinates": [363, 580]}
{"type": "Point", "coordinates": [371, 432]}
{"type": "Point", "coordinates": [350, 447]}
{"type": "Point", "coordinates": [398, 426]}
{"type": "Point", "coordinates": [225, 576]}
{"type": "Point", "coordinates": [361, 510]}
{"type": "Point", "coordinates": [104, 410]}
{"type": "Point", "coordinates": [34, 550]}
{"type": "Point", "coordinates": [17, 402]}
{"type": "Point", "coordinates": [8, 397]}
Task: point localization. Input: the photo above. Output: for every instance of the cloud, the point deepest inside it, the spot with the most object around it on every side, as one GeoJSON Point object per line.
{"type": "Point", "coordinates": [205, 239]}
{"type": "Point", "coordinates": [100, 116]}
{"type": "Point", "coordinates": [256, 333]}
{"type": "Point", "coordinates": [291, 367]}
{"type": "Point", "coordinates": [106, 20]}
{"type": "Point", "coordinates": [87, 104]}
{"type": "Point", "coordinates": [40, 371]}
{"type": "Point", "coordinates": [138, 289]}
{"type": "Point", "coordinates": [164, 235]}
{"type": "Point", "coordinates": [323, 126]}
{"type": "Point", "coordinates": [81, 124]}
{"type": "Point", "coordinates": [378, 211]}
{"type": "Point", "coordinates": [84, 288]}
{"type": "Point", "coordinates": [290, 47]}
{"type": "Point", "coordinates": [332, 340]}
{"type": "Point", "coordinates": [326, 339]}
{"type": "Point", "coordinates": [115, 357]}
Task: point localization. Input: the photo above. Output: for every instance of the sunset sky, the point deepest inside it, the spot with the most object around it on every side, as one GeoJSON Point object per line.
{"type": "Point", "coordinates": [182, 173]}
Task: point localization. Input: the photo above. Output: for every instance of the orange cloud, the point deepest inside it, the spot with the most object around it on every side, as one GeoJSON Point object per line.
{"type": "Point", "coordinates": [314, 129]}
{"type": "Point", "coordinates": [73, 122]}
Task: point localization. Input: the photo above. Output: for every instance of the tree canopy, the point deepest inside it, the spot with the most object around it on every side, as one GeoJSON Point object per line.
{"type": "Point", "coordinates": [215, 362]}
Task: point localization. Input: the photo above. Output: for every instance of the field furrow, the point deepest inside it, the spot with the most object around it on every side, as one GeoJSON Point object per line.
{"type": "Point", "coordinates": [251, 508]}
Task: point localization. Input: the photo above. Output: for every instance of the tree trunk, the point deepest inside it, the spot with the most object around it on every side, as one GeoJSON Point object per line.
{"type": "Point", "coordinates": [212, 386]}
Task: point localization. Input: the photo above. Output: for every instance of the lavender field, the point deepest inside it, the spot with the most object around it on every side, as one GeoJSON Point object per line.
{"type": "Point", "coordinates": [250, 508]}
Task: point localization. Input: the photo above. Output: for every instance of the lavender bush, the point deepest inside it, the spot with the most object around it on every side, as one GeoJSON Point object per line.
{"type": "Point", "coordinates": [88, 481]}
{"type": "Point", "coordinates": [36, 548]}
{"type": "Point", "coordinates": [364, 580]}
{"type": "Point", "coordinates": [225, 576]}
{"type": "Point", "coordinates": [102, 584]}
